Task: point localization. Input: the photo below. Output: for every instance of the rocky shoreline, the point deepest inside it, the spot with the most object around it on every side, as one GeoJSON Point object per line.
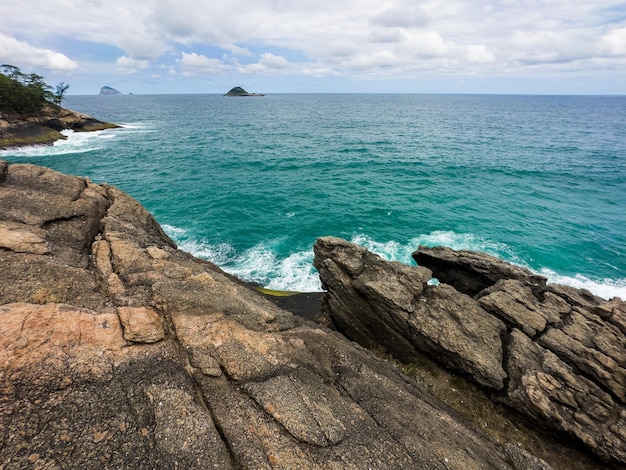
{"type": "Point", "coordinates": [45, 127]}
{"type": "Point", "coordinates": [119, 350]}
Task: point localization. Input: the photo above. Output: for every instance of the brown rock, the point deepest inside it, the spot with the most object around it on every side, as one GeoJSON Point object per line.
{"type": "Point", "coordinates": [44, 127]}
{"type": "Point", "coordinates": [515, 302]}
{"type": "Point", "coordinates": [141, 325]}
{"type": "Point", "coordinates": [546, 388]}
{"type": "Point", "coordinates": [564, 356]}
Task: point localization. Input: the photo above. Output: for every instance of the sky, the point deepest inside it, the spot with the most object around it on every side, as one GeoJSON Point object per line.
{"type": "Point", "coordinates": [317, 46]}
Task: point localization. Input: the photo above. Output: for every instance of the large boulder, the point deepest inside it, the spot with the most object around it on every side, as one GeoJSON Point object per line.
{"type": "Point", "coordinates": [377, 302]}
{"type": "Point", "coordinates": [120, 351]}
{"type": "Point", "coordinates": [554, 353]}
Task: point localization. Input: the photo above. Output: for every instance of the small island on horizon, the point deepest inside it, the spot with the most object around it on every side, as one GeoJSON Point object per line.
{"type": "Point", "coordinates": [238, 91]}
{"type": "Point", "coordinates": [107, 90]}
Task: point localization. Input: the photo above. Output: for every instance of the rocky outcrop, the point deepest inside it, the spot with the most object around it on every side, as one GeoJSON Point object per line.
{"type": "Point", "coordinates": [555, 353]}
{"type": "Point", "coordinates": [120, 351]}
{"type": "Point", "coordinates": [45, 127]}
{"type": "Point", "coordinates": [107, 90]}
{"type": "Point", "coordinates": [238, 91]}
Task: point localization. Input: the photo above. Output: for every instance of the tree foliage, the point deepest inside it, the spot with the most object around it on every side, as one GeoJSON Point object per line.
{"type": "Point", "coordinates": [27, 94]}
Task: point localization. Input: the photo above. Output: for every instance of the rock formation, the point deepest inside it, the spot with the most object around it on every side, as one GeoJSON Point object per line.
{"type": "Point", "coordinates": [238, 91]}
{"type": "Point", "coordinates": [554, 353]}
{"type": "Point", "coordinates": [107, 90]}
{"type": "Point", "coordinates": [118, 350]}
{"type": "Point", "coordinates": [45, 127]}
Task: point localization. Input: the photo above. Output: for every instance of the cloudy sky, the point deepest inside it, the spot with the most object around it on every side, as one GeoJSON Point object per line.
{"type": "Point", "coordinates": [272, 46]}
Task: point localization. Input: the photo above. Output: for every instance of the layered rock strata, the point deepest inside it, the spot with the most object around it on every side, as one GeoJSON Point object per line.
{"type": "Point", "coordinates": [555, 353]}
{"type": "Point", "coordinates": [118, 350]}
{"type": "Point", "coordinates": [45, 127]}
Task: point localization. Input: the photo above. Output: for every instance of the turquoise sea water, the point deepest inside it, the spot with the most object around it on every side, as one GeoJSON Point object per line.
{"type": "Point", "coordinates": [249, 183]}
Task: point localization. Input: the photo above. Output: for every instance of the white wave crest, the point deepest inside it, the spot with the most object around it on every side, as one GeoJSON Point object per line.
{"type": "Point", "coordinates": [262, 265]}
{"type": "Point", "coordinates": [395, 251]}
{"type": "Point", "coordinates": [607, 288]}
{"type": "Point", "coordinates": [75, 142]}
{"type": "Point", "coordinates": [259, 264]}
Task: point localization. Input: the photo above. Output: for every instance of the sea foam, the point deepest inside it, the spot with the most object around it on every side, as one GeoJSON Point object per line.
{"type": "Point", "coordinates": [261, 264]}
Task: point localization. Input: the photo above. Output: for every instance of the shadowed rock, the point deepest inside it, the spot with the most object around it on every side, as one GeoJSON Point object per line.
{"type": "Point", "coordinates": [470, 272]}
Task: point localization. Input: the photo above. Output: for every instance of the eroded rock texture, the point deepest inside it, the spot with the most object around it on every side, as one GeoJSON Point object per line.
{"type": "Point", "coordinates": [555, 353]}
{"type": "Point", "coordinates": [119, 351]}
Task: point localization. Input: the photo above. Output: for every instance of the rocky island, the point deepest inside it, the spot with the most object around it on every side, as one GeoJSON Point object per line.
{"type": "Point", "coordinates": [107, 90]}
{"type": "Point", "coordinates": [238, 91]}
{"type": "Point", "coordinates": [119, 350]}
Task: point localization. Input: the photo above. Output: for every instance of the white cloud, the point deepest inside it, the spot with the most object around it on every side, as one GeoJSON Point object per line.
{"type": "Point", "coordinates": [194, 64]}
{"type": "Point", "coordinates": [126, 65]}
{"type": "Point", "coordinates": [614, 42]}
{"type": "Point", "coordinates": [412, 16]}
{"type": "Point", "coordinates": [268, 64]}
{"type": "Point", "coordinates": [354, 38]}
{"type": "Point", "coordinates": [13, 51]}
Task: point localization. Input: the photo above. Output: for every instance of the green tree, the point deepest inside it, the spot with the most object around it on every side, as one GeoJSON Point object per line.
{"type": "Point", "coordinates": [60, 93]}
{"type": "Point", "coordinates": [26, 94]}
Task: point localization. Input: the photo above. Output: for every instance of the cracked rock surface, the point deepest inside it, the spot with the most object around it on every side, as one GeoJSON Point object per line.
{"type": "Point", "coordinates": [554, 353]}
{"type": "Point", "coordinates": [118, 350]}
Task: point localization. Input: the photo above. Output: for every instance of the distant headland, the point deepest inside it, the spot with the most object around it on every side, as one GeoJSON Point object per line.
{"type": "Point", "coordinates": [107, 90]}
{"type": "Point", "coordinates": [238, 91]}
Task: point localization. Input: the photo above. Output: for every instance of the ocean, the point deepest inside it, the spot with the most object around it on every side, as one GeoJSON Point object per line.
{"type": "Point", "coordinates": [250, 183]}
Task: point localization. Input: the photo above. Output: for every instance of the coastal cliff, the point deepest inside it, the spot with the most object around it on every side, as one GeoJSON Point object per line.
{"type": "Point", "coordinates": [44, 127]}
{"type": "Point", "coordinates": [119, 350]}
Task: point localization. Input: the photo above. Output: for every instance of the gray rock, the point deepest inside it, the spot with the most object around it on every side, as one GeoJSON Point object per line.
{"type": "Point", "coordinates": [563, 349]}
{"type": "Point", "coordinates": [107, 90]}
{"type": "Point", "coordinates": [376, 302]}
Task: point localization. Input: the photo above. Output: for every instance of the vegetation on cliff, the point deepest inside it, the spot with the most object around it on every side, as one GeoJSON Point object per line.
{"type": "Point", "coordinates": [31, 113]}
{"type": "Point", "coordinates": [26, 94]}
{"type": "Point", "coordinates": [238, 91]}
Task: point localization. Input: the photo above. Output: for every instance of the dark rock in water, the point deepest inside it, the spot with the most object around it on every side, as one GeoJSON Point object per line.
{"type": "Point", "coordinates": [555, 353]}
{"type": "Point", "coordinates": [120, 351]}
{"type": "Point", "coordinates": [238, 91]}
{"type": "Point", "coordinates": [107, 90]}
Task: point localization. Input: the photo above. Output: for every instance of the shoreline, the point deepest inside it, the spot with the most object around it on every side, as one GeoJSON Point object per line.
{"type": "Point", "coordinates": [45, 127]}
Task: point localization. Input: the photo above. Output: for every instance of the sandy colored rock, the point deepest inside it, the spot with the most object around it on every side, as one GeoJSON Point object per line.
{"type": "Point", "coordinates": [22, 238]}
{"type": "Point", "coordinates": [141, 325]}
